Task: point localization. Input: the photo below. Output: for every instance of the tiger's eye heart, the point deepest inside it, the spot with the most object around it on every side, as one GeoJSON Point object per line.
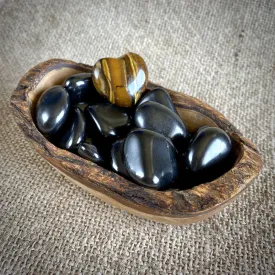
{"type": "Point", "coordinates": [121, 80]}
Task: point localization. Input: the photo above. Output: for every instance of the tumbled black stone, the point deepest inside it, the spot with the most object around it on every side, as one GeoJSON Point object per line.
{"type": "Point", "coordinates": [81, 89]}
{"type": "Point", "coordinates": [74, 133]}
{"type": "Point", "coordinates": [90, 152]}
{"type": "Point", "coordinates": [117, 158]}
{"type": "Point", "coordinates": [158, 118]}
{"type": "Point", "coordinates": [151, 159]}
{"type": "Point", "coordinates": [160, 96]}
{"type": "Point", "coordinates": [209, 154]}
{"type": "Point", "coordinates": [52, 110]}
{"type": "Point", "coordinates": [107, 120]}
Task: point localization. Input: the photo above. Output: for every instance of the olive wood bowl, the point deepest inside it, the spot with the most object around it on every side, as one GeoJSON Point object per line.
{"type": "Point", "coordinates": [171, 206]}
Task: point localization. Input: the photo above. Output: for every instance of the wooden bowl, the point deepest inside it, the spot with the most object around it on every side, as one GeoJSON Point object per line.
{"type": "Point", "coordinates": [171, 206]}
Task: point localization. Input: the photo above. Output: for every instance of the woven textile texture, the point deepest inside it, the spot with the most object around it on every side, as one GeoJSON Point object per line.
{"type": "Point", "coordinates": [222, 52]}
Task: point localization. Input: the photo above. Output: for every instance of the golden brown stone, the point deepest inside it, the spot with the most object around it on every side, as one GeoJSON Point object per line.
{"type": "Point", "coordinates": [121, 80]}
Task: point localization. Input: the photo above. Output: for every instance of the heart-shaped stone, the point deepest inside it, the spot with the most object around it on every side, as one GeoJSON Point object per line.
{"type": "Point", "coordinates": [210, 153]}
{"type": "Point", "coordinates": [151, 159]}
{"type": "Point", "coordinates": [121, 80]}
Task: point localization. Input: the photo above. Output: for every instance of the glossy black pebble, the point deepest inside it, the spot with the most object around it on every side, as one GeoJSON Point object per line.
{"type": "Point", "coordinates": [52, 110]}
{"type": "Point", "coordinates": [74, 133]}
{"type": "Point", "coordinates": [117, 157]}
{"type": "Point", "coordinates": [107, 120]}
{"type": "Point", "coordinates": [209, 154]}
{"type": "Point", "coordinates": [151, 159]}
{"type": "Point", "coordinates": [81, 89]}
{"type": "Point", "coordinates": [160, 96]}
{"type": "Point", "coordinates": [90, 152]}
{"type": "Point", "coordinates": [158, 118]}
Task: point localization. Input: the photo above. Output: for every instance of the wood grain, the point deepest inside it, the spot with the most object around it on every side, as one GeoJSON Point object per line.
{"type": "Point", "coordinates": [171, 206]}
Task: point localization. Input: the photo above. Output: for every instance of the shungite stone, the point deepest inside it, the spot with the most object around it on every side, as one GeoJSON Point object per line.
{"type": "Point", "coordinates": [158, 118]}
{"type": "Point", "coordinates": [90, 152]}
{"type": "Point", "coordinates": [74, 133]}
{"type": "Point", "coordinates": [210, 153]}
{"type": "Point", "coordinates": [107, 120]}
{"type": "Point", "coordinates": [52, 110]}
{"type": "Point", "coordinates": [117, 158]}
{"type": "Point", "coordinates": [151, 159]}
{"type": "Point", "coordinates": [81, 89]}
{"type": "Point", "coordinates": [160, 96]}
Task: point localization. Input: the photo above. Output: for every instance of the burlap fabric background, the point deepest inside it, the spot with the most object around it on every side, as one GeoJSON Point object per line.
{"type": "Point", "coordinates": [222, 52]}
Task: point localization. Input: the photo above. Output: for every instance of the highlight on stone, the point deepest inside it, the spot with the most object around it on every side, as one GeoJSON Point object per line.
{"type": "Point", "coordinates": [121, 80]}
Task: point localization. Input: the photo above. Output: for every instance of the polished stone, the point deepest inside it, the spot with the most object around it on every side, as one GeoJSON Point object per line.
{"type": "Point", "coordinates": [151, 159]}
{"type": "Point", "coordinates": [52, 110]}
{"type": "Point", "coordinates": [90, 152]}
{"type": "Point", "coordinates": [121, 80]}
{"type": "Point", "coordinates": [209, 153]}
{"type": "Point", "coordinates": [74, 133]}
{"type": "Point", "coordinates": [156, 117]}
{"type": "Point", "coordinates": [81, 89]}
{"type": "Point", "coordinates": [159, 95]}
{"type": "Point", "coordinates": [117, 158]}
{"type": "Point", "coordinates": [107, 120]}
